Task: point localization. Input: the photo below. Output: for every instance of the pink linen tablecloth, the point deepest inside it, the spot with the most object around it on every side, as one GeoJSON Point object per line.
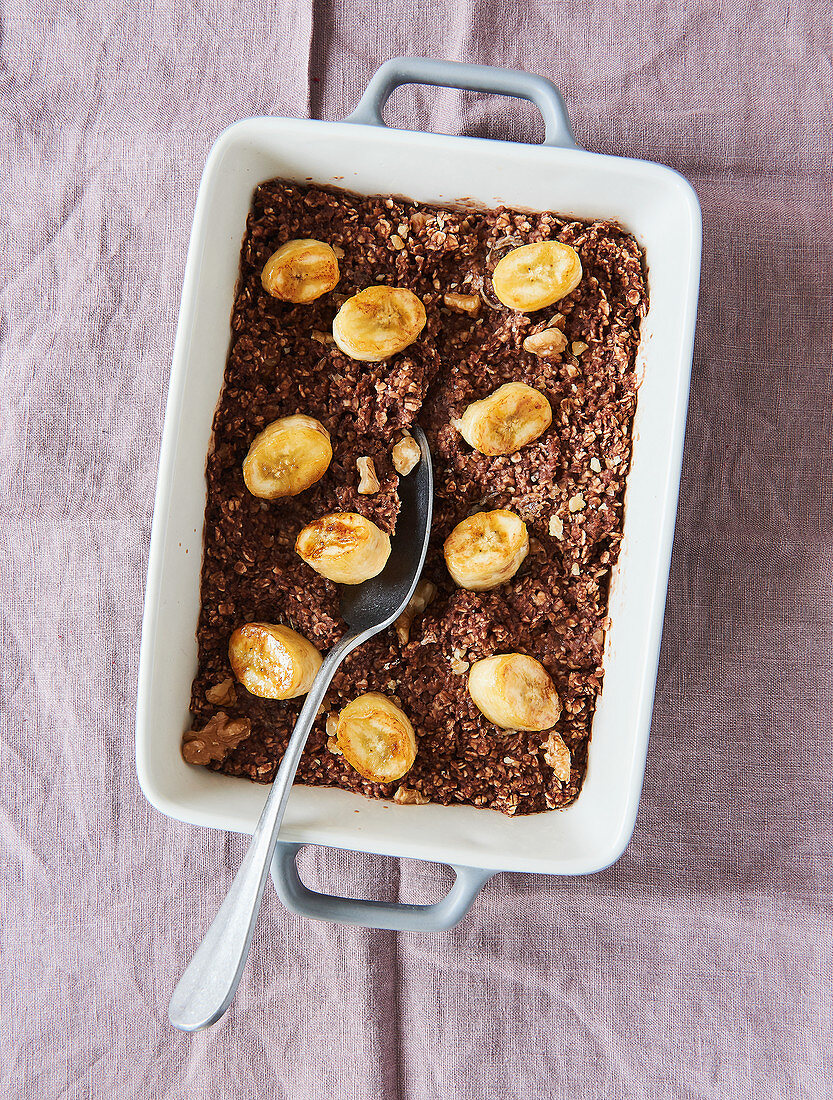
{"type": "Point", "coordinates": [700, 964]}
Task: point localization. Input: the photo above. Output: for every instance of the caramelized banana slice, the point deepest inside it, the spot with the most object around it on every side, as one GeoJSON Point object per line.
{"type": "Point", "coordinates": [500, 424]}
{"type": "Point", "coordinates": [486, 549]}
{"type": "Point", "coordinates": [288, 456]}
{"type": "Point", "coordinates": [300, 271]}
{"type": "Point", "coordinates": [376, 738]}
{"type": "Point", "coordinates": [514, 692]}
{"type": "Point", "coordinates": [273, 662]}
{"type": "Point", "coordinates": [378, 322]}
{"type": "Point", "coordinates": [536, 275]}
{"type": "Point", "coordinates": [344, 547]}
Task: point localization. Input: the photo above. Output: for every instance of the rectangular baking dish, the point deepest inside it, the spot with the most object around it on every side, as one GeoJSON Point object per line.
{"type": "Point", "coordinates": [363, 155]}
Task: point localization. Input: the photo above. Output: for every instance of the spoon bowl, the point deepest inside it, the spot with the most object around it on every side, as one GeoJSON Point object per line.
{"type": "Point", "coordinates": [377, 603]}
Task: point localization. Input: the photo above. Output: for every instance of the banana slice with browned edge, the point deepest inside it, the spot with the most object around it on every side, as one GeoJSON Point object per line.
{"type": "Point", "coordinates": [301, 271]}
{"type": "Point", "coordinates": [515, 692]}
{"type": "Point", "coordinates": [486, 549]}
{"type": "Point", "coordinates": [378, 322]}
{"type": "Point", "coordinates": [273, 662]}
{"type": "Point", "coordinates": [500, 424]}
{"type": "Point", "coordinates": [376, 738]}
{"type": "Point", "coordinates": [344, 547]}
{"type": "Point", "coordinates": [288, 456]}
{"type": "Point", "coordinates": [536, 275]}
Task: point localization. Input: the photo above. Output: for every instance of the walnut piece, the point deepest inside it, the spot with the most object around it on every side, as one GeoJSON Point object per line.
{"type": "Point", "coordinates": [550, 342]}
{"type": "Point", "coordinates": [216, 740]}
{"type": "Point", "coordinates": [222, 694]}
{"type": "Point", "coordinates": [459, 665]}
{"type": "Point", "coordinates": [556, 527]}
{"type": "Point", "coordinates": [578, 347]}
{"type": "Point", "coordinates": [405, 455]}
{"type": "Point", "coordinates": [407, 796]}
{"type": "Point", "coordinates": [332, 746]}
{"type": "Point", "coordinates": [463, 303]}
{"type": "Point", "coordinates": [424, 593]}
{"type": "Point", "coordinates": [368, 481]}
{"type": "Point", "coordinates": [557, 755]}
{"type": "Point", "coordinates": [576, 503]}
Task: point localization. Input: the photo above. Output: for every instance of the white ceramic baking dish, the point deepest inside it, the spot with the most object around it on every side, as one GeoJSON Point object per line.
{"type": "Point", "coordinates": [365, 156]}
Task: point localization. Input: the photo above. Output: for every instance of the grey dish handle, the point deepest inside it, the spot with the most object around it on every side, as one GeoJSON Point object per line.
{"type": "Point", "coordinates": [395, 916]}
{"type": "Point", "coordinates": [474, 78]}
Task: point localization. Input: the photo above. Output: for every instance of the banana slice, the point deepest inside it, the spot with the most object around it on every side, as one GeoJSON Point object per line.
{"type": "Point", "coordinates": [273, 662]}
{"type": "Point", "coordinates": [486, 549]}
{"type": "Point", "coordinates": [378, 322]}
{"type": "Point", "coordinates": [515, 692]}
{"type": "Point", "coordinates": [500, 424]}
{"type": "Point", "coordinates": [536, 275]}
{"type": "Point", "coordinates": [344, 547]}
{"type": "Point", "coordinates": [301, 271]}
{"type": "Point", "coordinates": [288, 456]}
{"type": "Point", "coordinates": [376, 738]}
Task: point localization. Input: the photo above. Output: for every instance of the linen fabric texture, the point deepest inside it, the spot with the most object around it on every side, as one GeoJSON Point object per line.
{"type": "Point", "coordinates": [699, 965]}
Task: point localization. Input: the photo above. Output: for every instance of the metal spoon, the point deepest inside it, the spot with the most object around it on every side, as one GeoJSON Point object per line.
{"type": "Point", "coordinates": [209, 983]}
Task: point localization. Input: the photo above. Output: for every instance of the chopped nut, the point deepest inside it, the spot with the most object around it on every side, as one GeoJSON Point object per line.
{"type": "Point", "coordinates": [332, 746]}
{"type": "Point", "coordinates": [368, 481]}
{"type": "Point", "coordinates": [558, 321]}
{"type": "Point", "coordinates": [407, 796]}
{"type": "Point", "coordinates": [575, 570]}
{"type": "Point", "coordinates": [595, 465]}
{"type": "Point", "coordinates": [331, 724]}
{"type": "Point", "coordinates": [577, 503]}
{"type": "Point", "coordinates": [578, 347]}
{"type": "Point", "coordinates": [397, 242]}
{"type": "Point", "coordinates": [215, 740]}
{"type": "Point", "coordinates": [463, 303]}
{"type": "Point", "coordinates": [405, 455]}
{"type": "Point", "coordinates": [424, 593]}
{"type": "Point", "coordinates": [550, 342]}
{"type": "Point", "coordinates": [459, 666]}
{"type": "Point", "coordinates": [322, 337]}
{"type": "Point", "coordinates": [557, 755]}
{"type": "Point", "coordinates": [222, 694]}
{"type": "Point", "coordinates": [556, 527]}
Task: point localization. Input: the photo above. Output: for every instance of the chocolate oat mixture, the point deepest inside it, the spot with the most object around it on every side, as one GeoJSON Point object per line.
{"type": "Point", "coordinates": [568, 486]}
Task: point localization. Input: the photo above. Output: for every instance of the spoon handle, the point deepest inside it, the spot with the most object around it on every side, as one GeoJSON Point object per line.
{"type": "Point", "coordinates": [210, 981]}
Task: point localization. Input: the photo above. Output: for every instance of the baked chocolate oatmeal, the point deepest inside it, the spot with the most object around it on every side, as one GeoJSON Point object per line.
{"type": "Point", "coordinates": [567, 485]}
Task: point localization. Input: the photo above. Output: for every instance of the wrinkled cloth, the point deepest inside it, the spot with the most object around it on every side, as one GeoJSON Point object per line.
{"type": "Point", "coordinates": [699, 965]}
